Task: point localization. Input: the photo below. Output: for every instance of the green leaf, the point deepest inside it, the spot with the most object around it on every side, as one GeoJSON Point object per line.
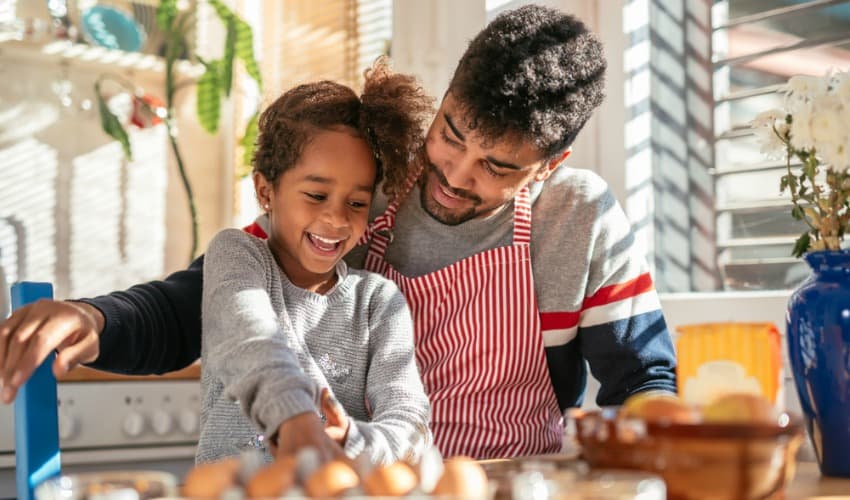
{"type": "Point", "coordinates": [783, 183]}
{"type": "Point", "coordinates": [248, 142]}
{"type": "Point", "coordinates": [112, 126]}
{"type": "Point", "coordinates": [801, 245]}
{"type": "Point", "coordinates": [165, 14]}
{"type": "Point", "coordinates": [227, 61]}
{"type": "Point", "coordinates": [797, 212]}
{"type": "Point", "coordinates": [245, 50]}
{"type": "Point", "coordinates": [244, 45]}
{"type": "Point", "coordinates": [209, 96]}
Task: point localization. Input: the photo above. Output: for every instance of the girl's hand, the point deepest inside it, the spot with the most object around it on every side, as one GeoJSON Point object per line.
{"type": "Point", "coordinates": [336, 421]}
{"type": "Point", "coordinates": [304, 431]}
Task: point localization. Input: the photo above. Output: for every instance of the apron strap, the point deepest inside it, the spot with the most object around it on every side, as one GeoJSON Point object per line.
{"type": "Point", "coordinates": [384, 223]}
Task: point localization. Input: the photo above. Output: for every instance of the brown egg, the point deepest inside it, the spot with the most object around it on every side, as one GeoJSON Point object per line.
{"type": "Point", "coordinates": [212, 479]}
{"type": "Point", "coordinates": [272, 480]}
{"type": "Point", "coordinates": [462, 477]}
{"type": "Point", "coordinates": [331, 480]}
{"type": "Point", "coordinates": [661, 408]}
{"type": "Point", "coordinates": [739, 408]}
{"type": "Point", "coordinates": [392, 480]}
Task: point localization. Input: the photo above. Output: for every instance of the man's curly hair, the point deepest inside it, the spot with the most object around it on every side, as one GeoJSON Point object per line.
{"type": "Point", "coordinates": [533, 74]}
{"type": "Point", "coordinates": [391, 114]}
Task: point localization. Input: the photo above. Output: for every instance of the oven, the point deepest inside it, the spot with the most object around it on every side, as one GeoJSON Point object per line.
{"type": "Point", "coordinates": [110, 422]}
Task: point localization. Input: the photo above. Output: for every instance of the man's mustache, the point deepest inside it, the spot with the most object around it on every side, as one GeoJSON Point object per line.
{"type": "Point", "coordinates": [460, 193]}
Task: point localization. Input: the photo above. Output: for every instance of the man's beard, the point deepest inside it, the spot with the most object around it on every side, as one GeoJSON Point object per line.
{"type": "Point", "coordinates": [440, 213]}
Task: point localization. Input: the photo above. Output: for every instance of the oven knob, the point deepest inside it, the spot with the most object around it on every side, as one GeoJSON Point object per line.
{"type": "Point", "coordinates": [162, 422]}
{"type": "Point", "coordinates": [67, 426]}
{"type": "Point", "coordinates": [134, 424]}
{"type": "Point", "coordinates": [188, 421]}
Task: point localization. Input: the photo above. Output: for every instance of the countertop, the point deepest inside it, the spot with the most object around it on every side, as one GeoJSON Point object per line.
{"type": "Point", "coordinates": [808, 483]}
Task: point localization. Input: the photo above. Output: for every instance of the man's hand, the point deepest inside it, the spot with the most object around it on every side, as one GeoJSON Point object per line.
{"type": "Point", "coordinates": [32, 332]}
{"type": "Point", "coordinates": [306, 430]}
{"type": "Point", "coordinates": [336, 421]}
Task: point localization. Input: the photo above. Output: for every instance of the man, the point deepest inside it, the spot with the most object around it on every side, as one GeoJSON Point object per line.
{"type": "Point", "coordinates": [517, 269]}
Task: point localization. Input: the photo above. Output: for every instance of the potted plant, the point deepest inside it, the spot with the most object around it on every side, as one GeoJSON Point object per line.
{"type": "Point", "coordinates": [812, 134]}
{"type": "Point", "coordinates": [212, 87]}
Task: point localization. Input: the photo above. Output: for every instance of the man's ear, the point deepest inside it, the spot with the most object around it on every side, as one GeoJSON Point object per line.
{"type": "Point", "coordinates": [262, 189]}
{"type": "Point", "coordinates": [550, 166]}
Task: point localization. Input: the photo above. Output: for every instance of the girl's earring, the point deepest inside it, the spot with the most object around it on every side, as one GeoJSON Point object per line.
{"type": "Point", "coordinates": [266, 206]}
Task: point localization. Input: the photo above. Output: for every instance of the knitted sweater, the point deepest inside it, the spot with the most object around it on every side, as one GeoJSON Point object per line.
{"type": "Point", "coordinates": [269, 347]}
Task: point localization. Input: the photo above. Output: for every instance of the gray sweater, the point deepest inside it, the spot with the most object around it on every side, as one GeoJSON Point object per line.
{"type": "Point", "coordinates": [269, 347]}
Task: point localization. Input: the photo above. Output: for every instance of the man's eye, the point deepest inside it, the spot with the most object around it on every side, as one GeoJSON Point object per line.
{"type": "Point", "coordinates": [448, 139]}
{"type": "Point", "coordinates": [492, 171]}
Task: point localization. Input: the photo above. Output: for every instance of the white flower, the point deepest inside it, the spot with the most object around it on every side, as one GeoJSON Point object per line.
{"type": "Point", "coordinates": [836, 154]}
{"type": "Point", "coordinates": [768, 118]}
{"type": "Point", "coordinates": [771, 141]}
{"type": "Point", "coordinates": [826, 128]}
{"type": "Point", "coordinates": [842, 89]}
{"type": "Point", "coordinates": [805, 86]}
{"type": "Point", "coordinates": [801, 129]}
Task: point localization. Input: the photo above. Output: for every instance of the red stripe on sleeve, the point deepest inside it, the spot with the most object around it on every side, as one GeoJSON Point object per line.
{"type": "Point", "coordinates": [558, 320]}
{"type": "Point", "coordinates": [620, 291]}
{"type": "Point", "coordinates": [255, 230]}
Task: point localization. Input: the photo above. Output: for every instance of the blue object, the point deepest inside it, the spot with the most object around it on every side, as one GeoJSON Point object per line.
{"type": "Point", "coordinates": [36, 413]}
{"type": "Point", "coordinates": [111, 28]}
{"type": "Point", "coordinates": [819, 349]}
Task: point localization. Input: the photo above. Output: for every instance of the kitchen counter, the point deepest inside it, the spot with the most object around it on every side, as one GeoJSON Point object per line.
{"type": "Point", "coordinates": [808, 483]}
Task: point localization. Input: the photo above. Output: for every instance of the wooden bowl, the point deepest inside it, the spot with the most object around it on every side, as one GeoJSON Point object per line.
{"type": "Point", "coordinates": [697, 461]}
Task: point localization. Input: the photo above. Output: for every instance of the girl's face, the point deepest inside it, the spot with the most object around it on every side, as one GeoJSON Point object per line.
{"type": "Point", "coordinates": [319, 207]}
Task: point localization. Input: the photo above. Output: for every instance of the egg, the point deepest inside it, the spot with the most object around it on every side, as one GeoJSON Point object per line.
{"type": "Point", "coordinates": [394, 480]}
{"type": "Point", "coordinates": [272, 480]}
{"type": "Point", "coordinates": [739, 407]}
{"type": "Point", "coordinates": [462, 477]}
{"type": "Point", "coordinates": [659, 407]}
{"type": "Point", "coordinates": [211, 479]}
{"type": "Point", "coordinates": [330, 480]}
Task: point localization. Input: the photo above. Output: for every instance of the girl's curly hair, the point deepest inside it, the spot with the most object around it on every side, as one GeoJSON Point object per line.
{"type": "Point", "coordinates": [391, 114]}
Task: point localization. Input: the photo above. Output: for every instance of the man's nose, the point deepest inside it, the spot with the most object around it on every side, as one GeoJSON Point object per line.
{"type": "Point", "coordinates": [460, 173]}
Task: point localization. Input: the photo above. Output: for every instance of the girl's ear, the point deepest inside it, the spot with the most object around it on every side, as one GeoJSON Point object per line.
{"type": "Point", "coordinates": [263, 190]}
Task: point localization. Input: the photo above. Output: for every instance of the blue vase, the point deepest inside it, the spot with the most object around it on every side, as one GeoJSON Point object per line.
{"type": "Point", "coordinates": [819, 349]}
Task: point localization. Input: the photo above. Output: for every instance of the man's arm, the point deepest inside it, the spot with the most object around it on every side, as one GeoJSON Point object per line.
{"type": "Point", "coordinates": [154, 327]}
{"type": "Point", "coordinates": [621, 331]}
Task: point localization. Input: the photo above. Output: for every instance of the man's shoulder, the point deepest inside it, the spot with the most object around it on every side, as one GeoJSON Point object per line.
{"type": "Point", "coordinates": [571, 186]}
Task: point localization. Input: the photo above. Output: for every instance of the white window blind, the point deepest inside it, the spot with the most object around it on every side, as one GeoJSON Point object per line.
{"type": "Point", "coordinates": [757, 46]}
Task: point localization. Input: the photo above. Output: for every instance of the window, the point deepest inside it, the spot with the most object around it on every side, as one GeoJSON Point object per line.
{"type": "Point", "coordinates": [757, 45]}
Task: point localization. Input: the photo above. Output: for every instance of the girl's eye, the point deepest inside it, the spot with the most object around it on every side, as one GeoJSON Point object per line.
{"type": "Point", "coordinates": [358, 204]}
{"type": "Point", "coordinates": [316, 196]}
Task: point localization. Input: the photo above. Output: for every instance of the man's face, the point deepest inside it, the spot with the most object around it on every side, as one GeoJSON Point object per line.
{"type": "Point", "coordinates": [467, 177]}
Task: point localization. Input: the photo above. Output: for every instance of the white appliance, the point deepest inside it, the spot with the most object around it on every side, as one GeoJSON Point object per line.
{"type": "Point", "coordinates": [117, 424]}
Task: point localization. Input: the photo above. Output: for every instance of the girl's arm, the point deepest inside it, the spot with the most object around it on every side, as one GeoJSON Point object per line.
{"type": "Point", "coordinates": [399, 428]}
{"type": "Point", "coordinates": [245, 346]}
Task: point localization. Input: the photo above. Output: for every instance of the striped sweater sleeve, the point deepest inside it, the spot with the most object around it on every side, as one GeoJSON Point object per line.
{"type": "Point", "coordinates": [607, 310]}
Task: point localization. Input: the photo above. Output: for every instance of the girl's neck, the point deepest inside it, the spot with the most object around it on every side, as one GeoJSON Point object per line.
{"type": "Point", "coordinates": [311, 282]}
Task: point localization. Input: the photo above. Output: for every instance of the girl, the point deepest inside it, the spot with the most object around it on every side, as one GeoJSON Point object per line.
{"type": "Point", "coordinates": [285, 318]}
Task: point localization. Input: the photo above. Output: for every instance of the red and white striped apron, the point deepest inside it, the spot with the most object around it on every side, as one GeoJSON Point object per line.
{"type": "Point", "coordinates": [479, 346]}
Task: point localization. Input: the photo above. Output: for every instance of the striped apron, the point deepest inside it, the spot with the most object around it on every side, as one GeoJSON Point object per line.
{"type": "Point", "coordinates": [479, 346]}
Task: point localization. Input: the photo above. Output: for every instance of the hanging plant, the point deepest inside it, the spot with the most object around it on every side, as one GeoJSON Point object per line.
{"type": "Point", "coordinates": [212, 87]}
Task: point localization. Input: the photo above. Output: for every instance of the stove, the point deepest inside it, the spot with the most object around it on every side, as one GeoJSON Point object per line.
{"type": "Point", "coordinates": [110, 422]}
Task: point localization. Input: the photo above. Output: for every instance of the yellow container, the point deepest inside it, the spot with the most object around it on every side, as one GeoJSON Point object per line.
{"type": "Point", "coordinates": [714, 358]}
